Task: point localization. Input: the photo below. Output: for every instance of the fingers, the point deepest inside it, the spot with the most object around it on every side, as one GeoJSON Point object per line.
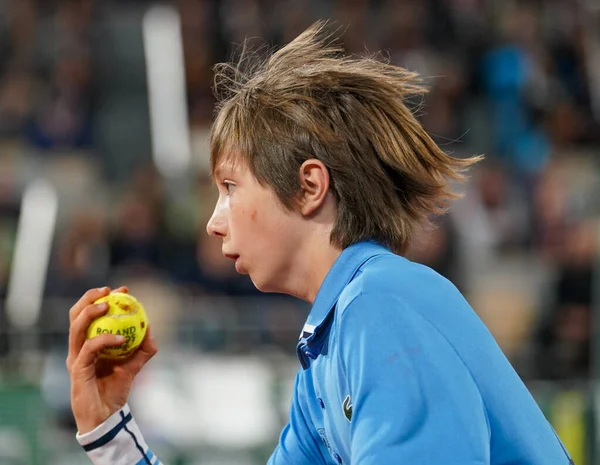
{"type": "Point", "coordinates": [145, 352]}
{"type": "Point", "coordinates": [89, 351]}
{"type": "Point", "coordinates": [88, 298]}
{"type": "Point", "coordinates": [79, 327]}
{"type": "Point", "coordinates": [124, 289]}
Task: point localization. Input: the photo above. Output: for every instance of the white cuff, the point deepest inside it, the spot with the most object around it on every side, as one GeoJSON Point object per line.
{"type": "Point", "coordinates": [117, 441]}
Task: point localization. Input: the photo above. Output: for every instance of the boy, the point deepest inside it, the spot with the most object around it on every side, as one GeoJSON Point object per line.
{"type": "Point", "coordinates": [324, 175]}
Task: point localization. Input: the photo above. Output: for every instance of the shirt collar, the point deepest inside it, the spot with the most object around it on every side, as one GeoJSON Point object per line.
{"type": "Point", "coordinates": [338, 277]}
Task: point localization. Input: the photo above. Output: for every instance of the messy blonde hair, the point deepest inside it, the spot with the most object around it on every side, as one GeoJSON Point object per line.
{"type": "Point", "coordinates": [307, 100]}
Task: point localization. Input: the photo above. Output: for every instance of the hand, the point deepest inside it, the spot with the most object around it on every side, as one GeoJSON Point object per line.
{"type": "Point", "coordinates": [99, 387]}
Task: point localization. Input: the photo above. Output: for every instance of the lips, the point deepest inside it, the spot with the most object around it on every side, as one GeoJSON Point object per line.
{"type": "Point", "coordinates": [238, 266]}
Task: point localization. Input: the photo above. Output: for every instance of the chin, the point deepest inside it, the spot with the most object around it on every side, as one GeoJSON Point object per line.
{"type": "Point", "coordinates": [262, 285]}
{"type": "Point", "coordinates": [258, 285]}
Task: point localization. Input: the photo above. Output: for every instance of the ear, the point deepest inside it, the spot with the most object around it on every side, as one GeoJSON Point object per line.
{"type": "Point", "coordinates": [314, 184]}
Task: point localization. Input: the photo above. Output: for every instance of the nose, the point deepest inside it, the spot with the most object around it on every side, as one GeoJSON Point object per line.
{"type": "Point", "coordinates": [217, 225]}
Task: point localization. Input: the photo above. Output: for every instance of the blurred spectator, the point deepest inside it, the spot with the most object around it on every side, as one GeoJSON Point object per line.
{"type": "Point", "coordinates": [491, 218]}
{"type": "Point", "coordinates": [9, 217]}
{"type": "Point", "coordinates": [572, 120]}
{"type": "Point", "coordinates": [550, 215]}
{"type": "Point", "coordinates": [148, 183]}
{"type": "Point", "coordinates": [81, 259]}
{"type": "Point", "coordinates": [504, 204]}
{"type": "Point", "coordinates": [199, 35]}
{"type": "Point", "coordinates": [437, 247]}
{"type": "Point", "coordinates": [403, 33]}
{"type": "Point", "coordinates": [564, 338]}
{"type": "Point", "coordinates": [138, 241]}
{"type": "Point", "coordinates": [288, 18]}
{"type": "Point", "coordinates": [22, 25]}
{"type": "Point", "coordinates": [444, 105]}
{"type": "Point", "coordinates": [17, 90]}
{"type": "Point", "coordinates": [242, 19]}
{"type": "Point", "coordinates": [63, 118]}
{"type": "Point", "coordinates": [73, 19]}
{"type": "Point", "coordinates": [356, 13]}
{"type": "Point", "coordinates": [517, 86]}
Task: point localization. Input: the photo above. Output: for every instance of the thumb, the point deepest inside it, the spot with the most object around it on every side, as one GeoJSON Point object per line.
{"type": "Point", "coordinates": [145, 352]}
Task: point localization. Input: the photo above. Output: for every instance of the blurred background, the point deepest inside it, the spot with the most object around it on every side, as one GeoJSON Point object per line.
{"type": "Point", "coordinates": [105, 108]}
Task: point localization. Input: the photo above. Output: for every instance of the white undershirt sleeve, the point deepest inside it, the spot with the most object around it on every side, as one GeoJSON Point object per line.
{"type": "Point", "coordinates": [117, 441]}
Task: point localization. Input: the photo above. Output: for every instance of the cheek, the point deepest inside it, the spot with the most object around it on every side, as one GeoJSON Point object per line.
{"type": "Point", "coordinates": [261, 223]}
{"type": "Point", "coordinates": [247, 223]}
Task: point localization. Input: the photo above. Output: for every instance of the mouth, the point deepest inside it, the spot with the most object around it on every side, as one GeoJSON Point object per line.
{"type": "Point", "coordinates": [238, 266]}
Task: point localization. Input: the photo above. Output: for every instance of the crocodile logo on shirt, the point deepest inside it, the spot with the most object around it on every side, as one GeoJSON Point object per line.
{"type": "Point", "coordinates": [347, 408]}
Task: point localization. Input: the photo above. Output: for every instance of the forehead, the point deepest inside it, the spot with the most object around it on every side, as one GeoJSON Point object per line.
{"type": "Point", "coordinates": [229, 166]}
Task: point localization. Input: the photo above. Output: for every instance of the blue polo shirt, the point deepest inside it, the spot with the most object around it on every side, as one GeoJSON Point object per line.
{"type": "Point", "coordinates": [398, 369]}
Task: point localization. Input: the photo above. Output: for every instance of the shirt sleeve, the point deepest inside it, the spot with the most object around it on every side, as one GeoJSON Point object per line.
{"type": "Point", "coordinates": [299, 443]}
{"type": "Point", "coordinates": [413, 400]}
{"type": "Point", "coordinates": [117, 441]}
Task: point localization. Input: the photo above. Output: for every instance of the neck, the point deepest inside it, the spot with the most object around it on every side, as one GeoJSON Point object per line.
{"type": "Point", "coordinates": [311, 266]}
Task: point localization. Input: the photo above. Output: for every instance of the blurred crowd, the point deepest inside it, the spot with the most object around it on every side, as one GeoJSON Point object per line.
{"type": "Point", "coordinates": [510, 80]}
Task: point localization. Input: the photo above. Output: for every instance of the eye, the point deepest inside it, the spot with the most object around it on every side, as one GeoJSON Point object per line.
{"type": "Point", "coordinates": [229, 186]}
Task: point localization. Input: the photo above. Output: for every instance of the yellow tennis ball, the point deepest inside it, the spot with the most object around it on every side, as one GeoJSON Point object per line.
{"type": "Point", "coordinates": [126, 317]}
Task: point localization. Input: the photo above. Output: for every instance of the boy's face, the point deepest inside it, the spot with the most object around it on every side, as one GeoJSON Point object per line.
{"type": "Point", "coordinates": [257, 232]}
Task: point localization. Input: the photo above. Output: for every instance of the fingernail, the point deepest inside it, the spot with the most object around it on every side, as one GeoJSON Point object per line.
{"type": "Point", "coordinates": [120, 339]}
{"type": "Point", "coordinates": [103, 306]}
{"type": "Point", "coordinates": [102, 289]}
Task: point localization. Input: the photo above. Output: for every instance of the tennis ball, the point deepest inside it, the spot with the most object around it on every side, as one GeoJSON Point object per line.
{"type": "Point", "coordinates": [126, 317]}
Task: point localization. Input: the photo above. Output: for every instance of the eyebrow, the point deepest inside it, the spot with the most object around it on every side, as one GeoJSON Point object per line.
{"type": "Point", "coordinates": [220, 172]}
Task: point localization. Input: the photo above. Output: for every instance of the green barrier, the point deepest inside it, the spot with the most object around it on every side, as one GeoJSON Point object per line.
{"type": "Point", "coordinates": [570, 412]}
{"type": "Point", "coordinates": [568, 417]}
{"type": "Point", "coordinates": [22, 420]}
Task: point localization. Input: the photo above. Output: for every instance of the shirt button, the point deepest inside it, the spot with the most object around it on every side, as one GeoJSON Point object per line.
{"type": "Point", "coordinates": [321, 403]}
{"type": "Point", "coordinates": [337, 458]}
